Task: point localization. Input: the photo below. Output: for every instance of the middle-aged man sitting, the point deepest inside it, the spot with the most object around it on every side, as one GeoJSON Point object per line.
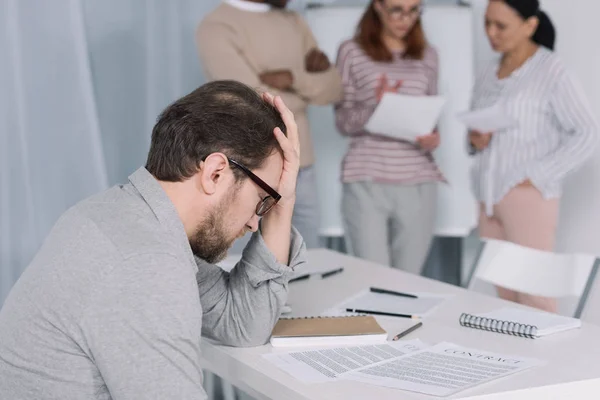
{"type": "Point", "coordinates": [115, 302]}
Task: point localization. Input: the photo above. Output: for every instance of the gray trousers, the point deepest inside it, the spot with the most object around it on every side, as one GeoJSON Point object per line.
{"type": "Point", "coordinates": [306, 216]}
{"type": "Point", "coordinates": [390, 224]}
{"type": "Point", "coordinates": [306, 212]}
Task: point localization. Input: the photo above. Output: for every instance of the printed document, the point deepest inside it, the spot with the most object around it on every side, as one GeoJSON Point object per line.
{"type": "Point", "coordinates": [441, 370]}
{"type": "Point", "coordinates": [325, 365]}
{"type": "Point", "coordinates": [406, 117]}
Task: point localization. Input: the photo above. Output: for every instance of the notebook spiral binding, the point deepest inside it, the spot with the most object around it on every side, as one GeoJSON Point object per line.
{"type": "Point", "coordinates": [499, 326]}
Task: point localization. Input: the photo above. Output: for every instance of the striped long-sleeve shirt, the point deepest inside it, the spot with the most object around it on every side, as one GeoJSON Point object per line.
{"type": "Point", "coordinates": [556, 131]}
{"type": "Point", "coordinates": [372, 157]}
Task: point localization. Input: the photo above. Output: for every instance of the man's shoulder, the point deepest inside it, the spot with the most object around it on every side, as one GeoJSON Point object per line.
{"type": "Point", "coordinates": [223, 19]}
{"type": "Point", "coordinates": [119, 219]}
{"type": "Point", "coordinates": [227, 16]}
{"type": "Point", "coordinates": [220, 14]}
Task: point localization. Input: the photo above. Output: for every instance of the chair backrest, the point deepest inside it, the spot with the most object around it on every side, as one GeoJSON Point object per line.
{"type": "Point", "coordinates": [535, 272]}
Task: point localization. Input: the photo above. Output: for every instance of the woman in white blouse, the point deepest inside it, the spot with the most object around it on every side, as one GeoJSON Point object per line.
{"type": "Point", "coordinates": [518, 172]}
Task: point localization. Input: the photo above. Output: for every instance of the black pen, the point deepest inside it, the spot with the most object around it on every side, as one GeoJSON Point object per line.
{"type": "Point", "coordinates": [385, 291]}
{"type": "Point", "coordinates": [409, 330]}
{"type": "Point", "coordinates": [300, 278]}
{"type": "Point", "coordinates": [354, 310]}
{"type": "Point", "coordinates": [335, 271]}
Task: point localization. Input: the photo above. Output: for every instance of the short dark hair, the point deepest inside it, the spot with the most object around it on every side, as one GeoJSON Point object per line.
{"type": "Point", "coordinates": [221, 116]}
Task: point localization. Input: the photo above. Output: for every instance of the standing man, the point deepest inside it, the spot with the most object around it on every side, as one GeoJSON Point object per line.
{"type": "Point", "coordinates": [269, 48]}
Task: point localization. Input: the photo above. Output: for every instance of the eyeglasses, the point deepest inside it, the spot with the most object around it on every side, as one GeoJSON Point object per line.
{"type": "Point", "coordinates": [266, 204]}
{"type": "Point", "coordinates": [398, 13]}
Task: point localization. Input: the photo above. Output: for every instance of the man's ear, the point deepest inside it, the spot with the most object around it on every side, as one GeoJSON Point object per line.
{"type": "Point", "coordinates": [212, 172]}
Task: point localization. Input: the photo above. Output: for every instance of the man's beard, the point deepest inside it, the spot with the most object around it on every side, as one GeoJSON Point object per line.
{"type": "Point", "coordinates": [211, 242]}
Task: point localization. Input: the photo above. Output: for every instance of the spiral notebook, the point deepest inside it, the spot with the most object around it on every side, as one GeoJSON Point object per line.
{"type": "Point", "coordinates": [519, 322]}
{"type": "Point", "coordinates": [327, 331]}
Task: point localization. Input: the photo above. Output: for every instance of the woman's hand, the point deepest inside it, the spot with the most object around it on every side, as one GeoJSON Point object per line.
{"type": "Point", "coordinates": [480, 140]}
{"type": "Point", "coordinates": [429, 142]}
{"type": "Point", "coordinates": [526, 183]}
{"type": "Point", "coordinates": [384, 87]}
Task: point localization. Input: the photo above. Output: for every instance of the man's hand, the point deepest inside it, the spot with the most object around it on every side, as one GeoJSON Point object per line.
{"type": "Point", "coordinates": [384, 87]}
{"type": "Point", "coordinates": [316, 61]}
{"type": "Point", "coordinates": [276, 226]}
{"type": "Point", "coordinates": [429, 142]}
{"type": "Point", "coordinates": [480, 140]}
{"type": "Point", "coordinates": [290, 145]}
{"type": "Point", "coordinates": [279, 79]}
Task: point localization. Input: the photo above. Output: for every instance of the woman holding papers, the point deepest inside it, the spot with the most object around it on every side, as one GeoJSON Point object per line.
{"type": "Point", "coordinates": [519, 170]}
{"type": "Point", "coordinates": [389, 191]}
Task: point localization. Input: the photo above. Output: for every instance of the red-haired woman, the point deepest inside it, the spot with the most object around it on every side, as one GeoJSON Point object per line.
{"type": "Point", "coordinates": [389, 185]}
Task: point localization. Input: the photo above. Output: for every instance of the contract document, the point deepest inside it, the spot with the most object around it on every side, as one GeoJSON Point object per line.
{"type": "Point", "coordinates": [441, 370]}
{"type": "Point", "coordinates": [325, 365]}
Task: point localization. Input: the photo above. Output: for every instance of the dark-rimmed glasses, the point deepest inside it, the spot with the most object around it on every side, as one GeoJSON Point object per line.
{"type": "Point", "coordinates": [266, 204]}
{"type": "Point", "coordinates": [398, 13]}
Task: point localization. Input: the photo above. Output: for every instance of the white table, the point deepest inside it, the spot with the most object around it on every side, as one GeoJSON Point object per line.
{"type": "Point", "coordinates": [573, 357]}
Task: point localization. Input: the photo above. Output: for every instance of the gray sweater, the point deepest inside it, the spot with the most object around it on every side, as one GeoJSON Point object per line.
{"type": "Point", "coordinates": [114, 304]}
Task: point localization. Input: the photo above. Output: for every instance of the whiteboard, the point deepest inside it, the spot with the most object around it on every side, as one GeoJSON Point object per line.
{"type": "Point", "coordinates": [450, 30]}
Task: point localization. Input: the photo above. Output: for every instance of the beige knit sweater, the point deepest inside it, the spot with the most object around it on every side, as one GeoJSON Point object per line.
{"type": "Point", "coordinates": [241, 45]}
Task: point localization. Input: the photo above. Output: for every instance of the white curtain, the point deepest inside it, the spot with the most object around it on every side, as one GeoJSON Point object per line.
{"type": "Point", "coordinates": [81, 84]}
{"type": "Point", "coordinates": [51, 144]}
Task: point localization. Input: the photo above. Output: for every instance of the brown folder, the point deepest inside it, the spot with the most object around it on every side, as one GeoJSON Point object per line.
{"type": "Point", "coordinates": [327, 330]}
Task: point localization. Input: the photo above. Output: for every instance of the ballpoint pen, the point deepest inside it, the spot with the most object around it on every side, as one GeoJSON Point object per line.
{"type": "Point", "coordinates": [358, 311]}
{"type": "Point", "coordinates": [409, 330]}
{"type": "Point", "coordinates": [335, 271]}
{"type": "Point", "coordinates": [385, 291]}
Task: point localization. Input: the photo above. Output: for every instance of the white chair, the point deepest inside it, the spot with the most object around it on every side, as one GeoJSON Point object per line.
{"type": "Point", "coordinates": [535, 272]}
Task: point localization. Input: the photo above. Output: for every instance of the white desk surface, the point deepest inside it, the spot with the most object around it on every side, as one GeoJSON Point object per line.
{"type": "Point", "coordinates": [573, 357]}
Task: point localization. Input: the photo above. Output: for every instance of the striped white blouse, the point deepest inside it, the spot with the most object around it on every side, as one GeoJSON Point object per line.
{"type": "Point", "coordinates": [557, 131]}
{"type": "Point", "coordinates": [373, 157]}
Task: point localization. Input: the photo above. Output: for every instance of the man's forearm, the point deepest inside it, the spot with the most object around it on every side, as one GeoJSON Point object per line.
{"type": "Point", "coordinates": [240, 308]}
{"type": "Point", "coordinates": [276, 228]}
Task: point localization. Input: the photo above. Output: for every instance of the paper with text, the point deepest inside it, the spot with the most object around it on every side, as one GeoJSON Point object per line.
{"type": "Point", "coordinates": [325, 365]}
{"type": "Point", "coordinates": [441, 370]}
{"type": "Point", "coordinates": [406, 117]}
{"type": "Point", "coordinates": [488, 120]}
